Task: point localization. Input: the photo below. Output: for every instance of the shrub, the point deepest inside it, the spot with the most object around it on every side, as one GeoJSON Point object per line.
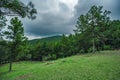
{"type": "Point", "coordinates": [106, 47]}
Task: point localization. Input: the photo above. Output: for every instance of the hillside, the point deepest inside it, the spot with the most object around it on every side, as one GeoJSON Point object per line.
{"type": "Point", "coordinates": [46, 39]}
{"type": "Point", "coordinates": [104, 65]}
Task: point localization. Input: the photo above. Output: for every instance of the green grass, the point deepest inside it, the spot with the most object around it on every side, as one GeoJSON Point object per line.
{"type": "Point", "coordinates": [104, 65]}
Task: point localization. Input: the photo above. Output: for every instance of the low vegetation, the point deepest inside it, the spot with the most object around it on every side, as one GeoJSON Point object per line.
{"type": "Point", "coordinates": [103, 65]}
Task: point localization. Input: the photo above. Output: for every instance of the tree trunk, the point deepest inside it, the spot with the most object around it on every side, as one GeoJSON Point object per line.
{"type": "Point", "coordinates": [11, 59]}
{"type": "Point", "coordinates": [93, 45]}
{"type": "Point", "coordinates": [10, 67]}
{"type": "Point", "coordinates": [93, 42]}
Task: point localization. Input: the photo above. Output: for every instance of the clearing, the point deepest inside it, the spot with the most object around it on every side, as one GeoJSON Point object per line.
{"type": "Point", "coordinates": [103, 65]}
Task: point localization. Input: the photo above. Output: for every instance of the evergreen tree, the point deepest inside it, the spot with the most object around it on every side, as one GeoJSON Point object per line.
{"type": "Point", "coordinates": [95, 22]}
{"type": "Point", "coordinates": [2, 24]}
{"type": "Point", "coordinates": [16, 36]}
{"type": "Point", "coordinates": [16, 7]}
{"type": "Point", "coordinates": [113, 35]}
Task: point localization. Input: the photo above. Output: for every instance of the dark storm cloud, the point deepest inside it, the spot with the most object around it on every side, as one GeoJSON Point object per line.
{"type": "Point", "coordinates": [83, 6]}
{"type": "Point", "coordinates": [49, 24]}
{"type": "Point", "coordinates": [117, 10]}
{"type": "Point", "coordinates": [55, 17]}
{"type": "Point", "coordinates": [112, 5]}
{"type": "Point", "coordinates": [52, 18]}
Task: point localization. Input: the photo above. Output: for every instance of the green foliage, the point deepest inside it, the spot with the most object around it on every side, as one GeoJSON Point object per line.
{"type": "Point", "coordinates": [93, 25]}
{"type": "Point", "coordinates": [112, 34]}
{"type": "Point", "coordinates": [16, 7]}
{"type": "Point", "coordinates": [104, 65]}
{"type": "Point", "coordinates": [107, 47]}
{"type": "Point", "coordinates": [4, 50]}
{"type": "Point", "coordinates": [17, 39]}
{"type": "Point", "coordinates": [50, 57]}
{"type": "Point", "coordinates": [2, 24]}
{"type": "Point", "coordinates": [47, 39]}
{"type": "Point", "coordinates": [90, 49]}
{"type": "Point", "coordinates": [94, 32]}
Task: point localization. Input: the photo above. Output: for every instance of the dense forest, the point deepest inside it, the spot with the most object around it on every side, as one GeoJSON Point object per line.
{"type": "Point", "coordinates": [95, 31]}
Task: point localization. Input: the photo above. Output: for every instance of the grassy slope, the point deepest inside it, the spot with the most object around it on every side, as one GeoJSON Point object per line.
{"type": "Point", "coordinates": [104, 65]}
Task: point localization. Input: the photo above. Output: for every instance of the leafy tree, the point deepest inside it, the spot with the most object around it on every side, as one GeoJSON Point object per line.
{"type": "Point", "coordinates": [15, 34]}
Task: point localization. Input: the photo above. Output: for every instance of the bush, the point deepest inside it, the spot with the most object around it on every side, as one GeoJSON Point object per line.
{"type": "Point", "coordinates": [81, 51]}
{"type": "Point", "coordinates": [90, 50]}
{"type": "Point", "coordinates": [50, 57]}
{"type": "Point", "coordinates": [107, 47]}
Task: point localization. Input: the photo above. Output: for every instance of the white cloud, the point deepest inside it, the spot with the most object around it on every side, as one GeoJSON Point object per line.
{"type": "Point", "coordinates": [31, 36]}
{"type": "Point", "coordinates": [70, 3]}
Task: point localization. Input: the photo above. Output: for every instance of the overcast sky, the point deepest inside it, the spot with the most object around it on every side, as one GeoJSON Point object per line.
{"type": "Point", "coordinates": [57, 17]}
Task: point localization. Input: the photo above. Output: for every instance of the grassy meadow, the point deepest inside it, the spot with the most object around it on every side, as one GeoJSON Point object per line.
{"type": "Point", "coordinates": [103, 65]}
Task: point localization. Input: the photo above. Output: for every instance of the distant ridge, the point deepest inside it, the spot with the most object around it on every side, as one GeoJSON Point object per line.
{"type": "Point", "coordinates": [46, 39]}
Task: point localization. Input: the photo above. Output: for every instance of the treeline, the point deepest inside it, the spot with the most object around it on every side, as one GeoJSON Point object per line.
{"type": "Point", "coordinates": [95, 31]}
{"type": "Point", "coordinates": [66, 46]}
{"type": "Point", "coordinates": [75, 44]}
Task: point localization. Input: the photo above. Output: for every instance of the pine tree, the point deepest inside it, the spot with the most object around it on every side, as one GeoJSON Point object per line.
{"type": "Point", "coordinates": [15, 35]}
{"type": "Point", "coordinates": [94, 22]}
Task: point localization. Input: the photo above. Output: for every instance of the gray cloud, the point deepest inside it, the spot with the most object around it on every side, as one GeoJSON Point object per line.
{"type": "Point", "coordinates": [83, 6]}
{"type": "Point", "coordinates": [111, 5]}
{"type": "Point", "coordinates": [50, 20]}
{"type": "Point", "coordinates": [55, 17]}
